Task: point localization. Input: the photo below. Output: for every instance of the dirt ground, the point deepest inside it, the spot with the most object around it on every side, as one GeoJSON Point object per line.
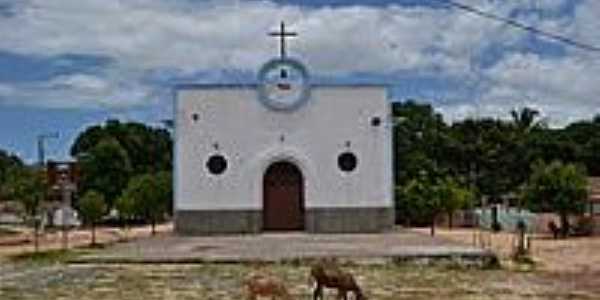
{"type": "Point", "coordinates": [15, 244]}
{"type": "Point", "coordinates": [572, 255]}
{"type": "Point", "coordinates": [574, 261]}
{"type": "Point", "coordinates": [223, 281]}
{"type": "Point", "coordinates": [564, 269]}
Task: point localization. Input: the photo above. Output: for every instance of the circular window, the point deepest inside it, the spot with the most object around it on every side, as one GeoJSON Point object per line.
{"type": "Point", "coordinates": [216, 164]}
{"type": "Point", "coordinates": [375, 121]}
{"type": "Point", "coordinates": [347, 161]}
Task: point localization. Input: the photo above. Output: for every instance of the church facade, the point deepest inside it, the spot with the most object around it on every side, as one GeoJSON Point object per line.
{"type": "Point", "coordinates": [282, 154]}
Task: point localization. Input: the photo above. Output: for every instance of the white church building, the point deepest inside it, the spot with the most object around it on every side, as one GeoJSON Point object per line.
{"type": "Point", "coordinates": [284, 154]}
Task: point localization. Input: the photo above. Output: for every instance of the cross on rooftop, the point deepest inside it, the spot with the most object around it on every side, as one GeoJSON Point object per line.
{"type": "Point", "coordinates": [282, 34]}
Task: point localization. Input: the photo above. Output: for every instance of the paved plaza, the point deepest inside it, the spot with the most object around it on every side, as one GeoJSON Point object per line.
{"type": "Point", "coordinates": [286, 246]}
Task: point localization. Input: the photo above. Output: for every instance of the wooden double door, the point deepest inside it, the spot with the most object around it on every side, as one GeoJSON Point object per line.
{"type": "Point", "coordinates": [283, 197]}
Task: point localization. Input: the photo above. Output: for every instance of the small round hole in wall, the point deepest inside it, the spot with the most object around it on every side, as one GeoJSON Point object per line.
{"type": "Point", "coordinates": [195, 117]}
{"type": "Point", "coordinates": [216, 164]}
{"type": "Point", "coordinates": [375, 121]}
{"type": "Point", "coordinates": [347, 161]}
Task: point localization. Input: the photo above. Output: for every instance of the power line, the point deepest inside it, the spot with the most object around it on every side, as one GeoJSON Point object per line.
{"type": "Point", "coordinates": [522, 26]}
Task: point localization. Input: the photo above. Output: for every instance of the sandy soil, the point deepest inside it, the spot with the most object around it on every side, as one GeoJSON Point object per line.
{"type": "Point", "coordinates": [566, 269]}
{"type": "Point", "coordinates": [570, 255]}
{"type": "Point", "coordinates": [23, 243]}
{"type": "Point", "coordinates": [574, 262]}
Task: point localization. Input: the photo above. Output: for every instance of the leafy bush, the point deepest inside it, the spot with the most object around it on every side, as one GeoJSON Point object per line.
{"type": "Point", "coordinates": [92, 207]}
{"type": "Point", "coordinates": [150, 195]}
{"type": "Point", "coordinates": [562, 187]}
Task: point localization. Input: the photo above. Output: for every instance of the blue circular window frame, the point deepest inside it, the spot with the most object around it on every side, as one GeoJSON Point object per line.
{"type": "Point", "coordinates": [262, 93]}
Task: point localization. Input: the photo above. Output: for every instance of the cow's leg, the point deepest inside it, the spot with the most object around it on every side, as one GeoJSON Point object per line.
{"type": "Point", "coordinates": [318, 292]}
{"type": "Point", "coordinates": [342, 294]}
{"type": "Point", "coordinates": [250, 295]}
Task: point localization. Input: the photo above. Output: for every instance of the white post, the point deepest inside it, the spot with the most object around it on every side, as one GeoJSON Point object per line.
{"type": "Point", "coordinates": [66, 188]}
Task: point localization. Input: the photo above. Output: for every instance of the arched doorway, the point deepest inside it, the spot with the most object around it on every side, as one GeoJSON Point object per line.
{"type": "Point", "coordinates": [283, 197]}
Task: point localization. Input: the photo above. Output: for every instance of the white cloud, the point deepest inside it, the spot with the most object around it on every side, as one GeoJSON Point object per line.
{"type": "Point", "coordinates": [141, 36]}
{"type": "Point", "coordinates": [166, 34]}
{"type": "Point", "coordinates": [564, 89]}
{"type": "Point", "coordinates": [89, 83]}
{"type": "Point", "coordinates": [74, 91]}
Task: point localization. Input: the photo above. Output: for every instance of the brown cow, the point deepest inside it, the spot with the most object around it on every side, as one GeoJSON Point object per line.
{"type": "Point", "coordinates": [328, 274]}
{"type": "Point", "coordinates": [264, 285]}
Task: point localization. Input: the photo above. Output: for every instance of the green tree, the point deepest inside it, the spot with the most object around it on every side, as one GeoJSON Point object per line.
{"type": "Point", "coordinates": [105, 168]}
{"type": "Point", "coordinates": [151, 194]}
{"type": "Point", "coordinates": [553, 144]}
{"type": "Point", "coordinates": [8, 164]}
{"type": "Point", "coordinates": [590, 155]}
{"type": "Point", "coordinates": [424, 199]}
{"type": "Point", "coordinates": [525, 119]}
{"type": "Point", "coordinates": [127, 210]}
{"type": "Point", "coordinates": [487, 156]}
{"type": "Point", "coordinates": [165, 185]}
{"type": "Point", "coordinates": [111, 154]}
{"type": "Point", "coordinates": [420, 140]}
{"type": "Point", "coordinates": [149, 149]}
{"type": "Point", "coordinates": [453, 197]}
{"type": "Point", "coordinates": [27, 186]}
{"type": "Point", "coordinates": [560, 187]}
{"type": "Point", "coordinates": [584, 136]}
{"type": "Point", "coordinates": [524, 122]}
{"type": "Point", "coordinates": [421, 145]}
{"type": "Point", "coordinates": [92, 207]}
{"type": "Point", "coordinates": [492, 157]}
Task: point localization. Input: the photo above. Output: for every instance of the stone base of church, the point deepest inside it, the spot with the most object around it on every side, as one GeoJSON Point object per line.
{"type": "Point", "coordinates": [317, 220]}
{"type": "Point", "coordinates": [213, 222]}
{"type": "Point", "coordinates": [349, 220]}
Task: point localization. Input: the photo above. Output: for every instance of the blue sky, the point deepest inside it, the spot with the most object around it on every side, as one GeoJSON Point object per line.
{"type": "Point", "coordinates": [67, 64]}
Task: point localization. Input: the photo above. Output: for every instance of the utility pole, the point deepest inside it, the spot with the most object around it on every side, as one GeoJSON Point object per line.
{"type": "Point", "coordinates": [41, 138]}
{"type": "Point", "coordinates": [42, 164]}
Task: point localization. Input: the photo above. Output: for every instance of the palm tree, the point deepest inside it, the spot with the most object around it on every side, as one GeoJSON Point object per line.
{"type": "Point", "coordinates": [525, 118]}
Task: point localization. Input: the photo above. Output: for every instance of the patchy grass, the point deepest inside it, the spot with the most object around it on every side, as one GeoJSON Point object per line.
{"type": "Point", "coordinates": [8, 231]}
{"type": "Point", "coordinates": [223, 281]}
{"type": "Point", "coordinates": [46, 257]}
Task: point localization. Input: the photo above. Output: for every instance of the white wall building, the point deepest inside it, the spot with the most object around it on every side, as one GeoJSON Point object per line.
{"type": "Point", "coordinates": [282, 154]}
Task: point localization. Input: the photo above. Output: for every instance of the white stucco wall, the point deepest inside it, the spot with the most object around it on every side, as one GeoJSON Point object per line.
{"type": "Point", "coordinates": [249, 136]}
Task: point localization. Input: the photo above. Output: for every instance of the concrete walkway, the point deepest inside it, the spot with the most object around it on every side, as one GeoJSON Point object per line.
{"type": "Point", "coordinates": [271, 247]}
